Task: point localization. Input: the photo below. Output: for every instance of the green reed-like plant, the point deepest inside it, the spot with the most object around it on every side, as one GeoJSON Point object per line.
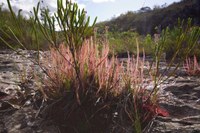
{"type": "Point", "coordinates": [74, 26]}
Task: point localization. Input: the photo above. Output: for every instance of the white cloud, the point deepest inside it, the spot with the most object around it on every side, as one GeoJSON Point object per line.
{"type": "Point", "coordinates": [100, 1]}
{"type": "Point", "coordinates": [27, 5]}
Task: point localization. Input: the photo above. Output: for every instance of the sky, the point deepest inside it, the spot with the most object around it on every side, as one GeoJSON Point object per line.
{"type": "Point", "coordinates": [103, 9]}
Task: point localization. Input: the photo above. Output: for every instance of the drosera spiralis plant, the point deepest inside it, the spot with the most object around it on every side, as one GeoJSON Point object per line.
{"type": "Point", "coordinates": [192, 67]}
{"type": "Point", "coordinates": [95, 67]}
{"type": "Point", "coordinates": [102, 78]}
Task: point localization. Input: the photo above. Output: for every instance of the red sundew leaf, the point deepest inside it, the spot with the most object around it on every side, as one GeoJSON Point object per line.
{"type": "Point", "coordinates": [161, 112]}
{"type": "Point", "coordinates": [155, 110]}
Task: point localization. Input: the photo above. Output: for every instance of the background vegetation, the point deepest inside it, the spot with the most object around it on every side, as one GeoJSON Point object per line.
{"type": "Point", "coordinates": [21, 31]}
{"type": "Point", "coordinates": [147, 22]}
{"type": "Point", "coordinates": [146, 19]}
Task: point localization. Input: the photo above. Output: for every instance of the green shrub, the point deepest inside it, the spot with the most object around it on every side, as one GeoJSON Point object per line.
{"type": "Point", "coordinates": [181, 40]}
{"type": "Point", "coordinates": [122, 43]}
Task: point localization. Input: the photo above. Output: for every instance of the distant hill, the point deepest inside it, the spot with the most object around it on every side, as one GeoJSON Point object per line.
{"type": "Point", "coordinates": [146, 19]}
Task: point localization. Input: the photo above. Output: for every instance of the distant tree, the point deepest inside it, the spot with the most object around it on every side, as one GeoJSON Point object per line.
{"type": "Point", "coordinates": [156, 7]}
{"type": "Point", "coordinates": [145, 9]}
{"type": "Point", "coordinates": [164, 5]}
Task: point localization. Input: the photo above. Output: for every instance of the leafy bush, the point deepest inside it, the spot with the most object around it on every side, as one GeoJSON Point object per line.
{"type": "Point", "coordinates": [181, 39]}
{"type": "Point", "coordinates": [122, 43]}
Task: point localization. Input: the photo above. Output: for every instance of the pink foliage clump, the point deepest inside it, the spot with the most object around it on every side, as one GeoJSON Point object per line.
{"type": "Point", "coordinates": [90, 72]}
{"type": "Point", "coordinates": [96, 71]}
{"type": "Point", "coordinates": [192, 67]}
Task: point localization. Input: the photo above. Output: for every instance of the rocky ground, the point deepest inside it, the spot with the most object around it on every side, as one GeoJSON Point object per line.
{"type": "Point", "coordinates": [17, 112]}
{"type": "Point", "coordinates": [180, 96]}
{"type": "Point", "coordinates": [182, 101]}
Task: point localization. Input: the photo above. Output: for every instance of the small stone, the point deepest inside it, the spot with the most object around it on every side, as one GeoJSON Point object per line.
{"type": "Point", "coordinates": [17, 126]}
